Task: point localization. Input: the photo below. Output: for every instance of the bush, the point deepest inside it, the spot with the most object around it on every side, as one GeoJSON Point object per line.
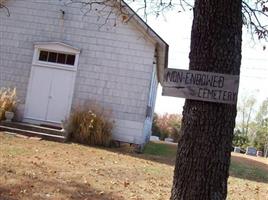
{"type": "Point", "coordinates": [240, 140]}
{"type": "Point", "coordinates": [8, 101]}
{"type": "Point", "coordinates": [90, 124]}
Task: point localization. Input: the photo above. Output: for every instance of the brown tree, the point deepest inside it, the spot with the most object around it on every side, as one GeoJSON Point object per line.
{"type": "Point", "coordinates": [203, 155]}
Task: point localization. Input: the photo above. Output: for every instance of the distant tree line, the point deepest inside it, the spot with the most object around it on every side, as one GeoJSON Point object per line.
{"type": "Point", "coordinates": [252, 124]}
{"type": "Point", "coordinates": [166, 126]}
{"type": "Point", "coordinates": [251, 127]}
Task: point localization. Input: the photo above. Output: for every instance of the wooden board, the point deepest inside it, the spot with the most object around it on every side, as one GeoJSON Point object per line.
{"type": "Point", "coordinates": [198, 85]}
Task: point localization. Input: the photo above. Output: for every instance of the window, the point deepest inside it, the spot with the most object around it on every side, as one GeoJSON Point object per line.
{"type": "Point", "coordinates": [54, 57]}
{"type": "Point", "coordinates": [43, 55]}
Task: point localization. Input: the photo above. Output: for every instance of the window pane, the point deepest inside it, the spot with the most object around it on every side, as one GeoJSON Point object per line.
{"type": "Point", "coordinates": [52, 57]}
{"type": "Point", "coordinates": [70, 59]}
{"type": "Point", "coordinates": [43, 55]}
{"type": "Point", "coordinates": [61, 58]}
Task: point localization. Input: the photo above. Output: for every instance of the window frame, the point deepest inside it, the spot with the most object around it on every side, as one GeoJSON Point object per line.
{"type": "Point", "coordinates": [57, 57]}
{"type": "Point", "coordinates": [59, 48]}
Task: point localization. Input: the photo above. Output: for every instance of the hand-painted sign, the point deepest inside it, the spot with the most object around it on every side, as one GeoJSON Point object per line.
{"type": "Point", "coordinates": [199, 85]}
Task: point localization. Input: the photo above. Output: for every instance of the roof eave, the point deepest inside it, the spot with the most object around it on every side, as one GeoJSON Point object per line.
{"type": "Point", "coordinates": [162, 47]}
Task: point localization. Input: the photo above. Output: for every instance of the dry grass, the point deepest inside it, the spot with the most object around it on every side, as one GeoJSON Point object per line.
{"type": "Point", "coordinates": [248, 177]}
{"type": "Point", "coordinates": [90, 124]}
{"type": "Point", "coordinates": [40, 170]}
{"type": "Point", "coordinates": [8, 101]}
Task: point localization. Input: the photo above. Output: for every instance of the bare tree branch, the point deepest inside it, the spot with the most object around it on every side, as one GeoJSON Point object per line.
{"type": "Point", "coordinates": [255, 15]}
{"type": "Point", "coordinates": [4, 7]}
{"type": "Point", "coordinates": [254, 18]}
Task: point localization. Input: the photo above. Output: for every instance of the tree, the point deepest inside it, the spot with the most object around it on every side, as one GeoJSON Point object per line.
{"type": "Point", "coordinates": [245, 109]}
{"type": "Point", "coordinates": [260, 140]}
{"type": "Point", "coordinates": [262, 112]}
{"type": "Point", "coordinates": [203, 155]}
{"type": "Point", "coordinates": [261, 137]}
{"type": "Point", "coordinates": [175, 126]}
{"type": "Point", "coordinates": [155, 128]}
{"type": "Point", "coordinates": [167, 125]}
{"type": "Point", "coordinates": [239, 139]}
{"type": "Point", "coordinates": [250, 130]}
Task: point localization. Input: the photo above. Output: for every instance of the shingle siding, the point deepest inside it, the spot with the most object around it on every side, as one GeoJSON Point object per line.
{"type": "Point", "coordinates": [115, 63]}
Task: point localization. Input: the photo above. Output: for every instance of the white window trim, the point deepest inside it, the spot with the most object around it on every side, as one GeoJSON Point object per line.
{"type": "Point", "coordinates": [57, 47]}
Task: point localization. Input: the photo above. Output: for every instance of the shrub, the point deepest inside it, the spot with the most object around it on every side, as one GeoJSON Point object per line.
{"type": "Point", "coordinates": [90, 124]}
{"type": "Point", "coordinates": [240, 140]}
{"type": "Point", "coordinates": [8, 101]}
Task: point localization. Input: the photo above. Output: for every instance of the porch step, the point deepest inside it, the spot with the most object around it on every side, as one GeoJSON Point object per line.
{"type": "Point", "coordinates": [32, 127]}
{"type": "Point", "coordinates": [33, 131]}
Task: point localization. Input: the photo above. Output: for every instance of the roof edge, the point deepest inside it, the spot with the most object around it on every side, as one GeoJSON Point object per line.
{"type": "Point", "coordinates": [148, 28]}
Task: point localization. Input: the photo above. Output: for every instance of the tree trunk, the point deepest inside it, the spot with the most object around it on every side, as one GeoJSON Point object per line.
{"type": "Point", "coordinates": [204, 148]}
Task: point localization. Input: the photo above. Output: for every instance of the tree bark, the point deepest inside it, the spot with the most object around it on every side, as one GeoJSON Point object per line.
{"type": "Point", "coordinates": [204, 148]}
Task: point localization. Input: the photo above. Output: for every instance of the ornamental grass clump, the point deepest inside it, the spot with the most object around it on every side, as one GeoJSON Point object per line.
{"type": "Point", "coordinates": [8, 101]}
{"type": "Point", "coordinates": [90, 124]}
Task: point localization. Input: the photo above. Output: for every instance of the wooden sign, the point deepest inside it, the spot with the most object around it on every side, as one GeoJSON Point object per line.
{"type": "Point", "coordinates": [198, 85]}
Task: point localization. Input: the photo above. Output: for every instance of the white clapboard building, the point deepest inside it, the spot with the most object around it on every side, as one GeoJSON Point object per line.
{"type": "Point", "coordinates": [58, 56]}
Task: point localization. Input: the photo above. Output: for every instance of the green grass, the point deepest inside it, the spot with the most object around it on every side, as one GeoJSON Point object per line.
{"type": "Point", "coordinates": [248, 172]}
{"type": "Point", "coordinates": [239, 170]}
{"type": "Point", "coordinates": [160, 149]}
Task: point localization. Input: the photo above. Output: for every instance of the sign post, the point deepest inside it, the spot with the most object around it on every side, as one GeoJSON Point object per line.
{"type": "Point", "coordinates": [199, 85]}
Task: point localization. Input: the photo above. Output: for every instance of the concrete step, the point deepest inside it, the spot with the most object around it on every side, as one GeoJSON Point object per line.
{"type": "Point", "coordinates": [32, 127]}
{"type": "Point", "coordinates": [37, 132]}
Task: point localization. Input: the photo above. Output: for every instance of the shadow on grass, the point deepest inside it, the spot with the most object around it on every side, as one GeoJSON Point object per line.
{"type": "Point", "coordinates": [160, 152]}
{"type": "Point", "coordinates": [246, 168]}
{"type": "Point", "coordinates": [165, 153]}
{"type": "Point", "coordinates": [41, 190]}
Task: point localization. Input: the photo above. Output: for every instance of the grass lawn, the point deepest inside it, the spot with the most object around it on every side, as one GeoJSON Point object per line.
{"type": "Point", "coordinates": [31, 169]}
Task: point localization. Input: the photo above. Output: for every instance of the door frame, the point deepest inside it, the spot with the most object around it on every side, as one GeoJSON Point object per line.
{"type": "Point", "coordinates": [51, 47]}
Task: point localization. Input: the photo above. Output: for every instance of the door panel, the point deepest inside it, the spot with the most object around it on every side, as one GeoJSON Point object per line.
{"type": "Point", "coordinates": [37, 100]}
{"type": "Point", "coordinates": [50, 94]}
{"type": "Point", "coordinates": [60, 94]}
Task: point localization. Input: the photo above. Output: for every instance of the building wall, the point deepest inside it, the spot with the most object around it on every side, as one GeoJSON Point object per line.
{"type": "Point", "coordinates": [115, 65]}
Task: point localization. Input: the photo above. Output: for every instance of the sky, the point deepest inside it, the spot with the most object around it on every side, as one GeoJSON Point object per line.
{"type": "Point", "coordinates": [175, 29]}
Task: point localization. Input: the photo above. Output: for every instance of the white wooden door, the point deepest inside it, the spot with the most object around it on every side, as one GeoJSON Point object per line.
{"type": "Point", "coordinates": [49, 95]}
{"type": "Point", "coordinates": [60, 95]}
